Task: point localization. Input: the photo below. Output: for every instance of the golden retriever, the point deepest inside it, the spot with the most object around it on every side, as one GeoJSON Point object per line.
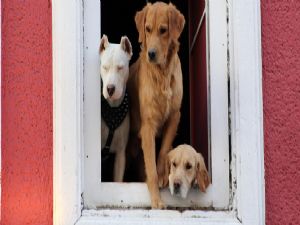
{"type": "Point", "coordinates": [155, 88]}
{"type": "Point", "coordinates": [184, 167]}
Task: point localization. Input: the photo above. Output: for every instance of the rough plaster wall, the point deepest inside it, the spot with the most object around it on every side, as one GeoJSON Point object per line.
{"type": "Point", "coordinates": [281, 93]}
{"type": "Point", "coordinates": [26, 112]}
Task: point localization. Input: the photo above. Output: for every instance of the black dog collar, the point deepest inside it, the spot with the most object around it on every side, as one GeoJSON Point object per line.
{"type": "Point", "coordinates": [113, 118]}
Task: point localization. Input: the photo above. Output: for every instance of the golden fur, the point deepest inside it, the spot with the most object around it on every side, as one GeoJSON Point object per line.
{"type": "Point", "coordinates": [184, 167]}
{"type": "Point", "coordinates": [156, 88]}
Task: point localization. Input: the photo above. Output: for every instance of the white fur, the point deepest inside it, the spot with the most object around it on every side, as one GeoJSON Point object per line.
{"type": "Point", "coordinates": [115, 71]}
{"type": "Point", "coordinates": [112, 59]}
{"type": "Point", "coordinates": [185, 183]}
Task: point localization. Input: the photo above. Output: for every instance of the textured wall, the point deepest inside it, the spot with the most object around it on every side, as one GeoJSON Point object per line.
{"type": "Point", "coordinates": [281, 93]}
{"type": "Point", "coordinates": [26, 112]}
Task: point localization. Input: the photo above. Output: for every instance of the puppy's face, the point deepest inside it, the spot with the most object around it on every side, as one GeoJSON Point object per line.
{"type": "Point", "coordinates": [114, 67]}
{"type": "Point", "coordinates": [185, 167]}
{"type": "Point", "coordinates": [159, 26]}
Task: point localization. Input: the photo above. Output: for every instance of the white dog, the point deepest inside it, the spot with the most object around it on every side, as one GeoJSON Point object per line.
{"type": "Point", "coordinates": [114, 101]}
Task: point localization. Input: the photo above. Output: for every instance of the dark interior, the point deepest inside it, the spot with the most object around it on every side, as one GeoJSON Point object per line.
{"type": "Point", "coordinates": [198, 80]}
{"type": "Point", "coordinates": [117, 19]}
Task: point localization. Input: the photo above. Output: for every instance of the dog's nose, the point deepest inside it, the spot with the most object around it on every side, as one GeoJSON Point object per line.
{"type": "Point", "coordinates": [111, 89]}
{"type": "Point", "coordinates": [152, 54]}
{"type": "Point", "coordinates": [177, 185]}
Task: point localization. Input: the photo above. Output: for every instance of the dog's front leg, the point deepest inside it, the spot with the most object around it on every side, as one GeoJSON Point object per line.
{"type": "Point", "coordinates": [119, 166]}
{"type": "Point", "coordinates": [169, 133]}
{"type": "Point", "coordinates": [148, 146]}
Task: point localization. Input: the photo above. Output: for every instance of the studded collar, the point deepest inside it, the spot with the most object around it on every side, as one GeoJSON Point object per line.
{"type": "Point", "coordinates": [113, 118]}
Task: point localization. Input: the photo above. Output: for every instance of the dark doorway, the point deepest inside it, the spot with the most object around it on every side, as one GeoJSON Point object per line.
{"type": "Point", "coordinates": [117, 19]}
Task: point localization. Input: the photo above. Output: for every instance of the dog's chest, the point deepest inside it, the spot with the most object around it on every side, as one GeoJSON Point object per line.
{"type": "Point", "coordinates": [163, 100]}
{"type": "Point", "coordinates": [120, 137]}
{"type": "Point", "coordinates": [167, 97]}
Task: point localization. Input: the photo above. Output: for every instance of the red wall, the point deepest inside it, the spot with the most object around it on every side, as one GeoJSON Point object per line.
{"type": "Point", "coordinates": [281, 94]}
{"type": "Point", "coordinates": [26, 112]}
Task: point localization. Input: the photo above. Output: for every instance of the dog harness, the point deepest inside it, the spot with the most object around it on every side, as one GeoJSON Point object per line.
{"type": "Point", "coordinates": [113, 118]}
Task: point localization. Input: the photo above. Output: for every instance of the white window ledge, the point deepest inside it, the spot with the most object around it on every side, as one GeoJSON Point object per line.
{"type": "Point", "coordinates": [145, 217]}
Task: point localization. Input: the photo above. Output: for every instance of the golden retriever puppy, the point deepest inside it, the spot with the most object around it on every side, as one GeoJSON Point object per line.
{"type": "Point", "coordinates": [185, 167]}
{"type": "Point", "coordinates": [155, 88]}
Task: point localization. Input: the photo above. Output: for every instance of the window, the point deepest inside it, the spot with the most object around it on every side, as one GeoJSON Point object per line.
{"type": "Point", "coordinates": [99, 194]}
{"type": "Point", "coordinates": [72, 131]}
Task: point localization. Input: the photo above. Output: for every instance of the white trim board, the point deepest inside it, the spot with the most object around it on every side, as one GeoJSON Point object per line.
{"type": "Point", "coordinates": [246, 122]}
{"type": "Point", "coordinates": [92, 113]}
{"type": "Point", "coordinates": [247, 109]}
{"type": "Point", "coordinates": [218, 101]}
{"type": "Point", "coordinates": [67, 111]}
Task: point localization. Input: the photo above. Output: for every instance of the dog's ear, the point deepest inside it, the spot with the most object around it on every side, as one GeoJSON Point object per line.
{"type": "Point", "coordinates": [126, 46]}
{"type": "Point", "coordinates": [140, 19]}
{"type": "Point", "coordinates": [202, 177]}
{"type": "Point", "coordinates": [103, 43]}
{"type": "Point", "coordinates": [176, 22]}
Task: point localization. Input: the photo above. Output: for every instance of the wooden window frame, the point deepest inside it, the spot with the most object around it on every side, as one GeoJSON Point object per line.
{"type": "Point", "coordinates": [244, 73]}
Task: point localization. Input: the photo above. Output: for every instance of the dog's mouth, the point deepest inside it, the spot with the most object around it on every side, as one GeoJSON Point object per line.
{"type": "Point", "coordinates": [177, 192]}
{"type": "Point", "coordinates": [153, 61]}
{"type": "Point", "coordinates": [156, 63]}
{"type": "Point", "coordinates": [180, 191]}
{"type": "Point", "coordinates": [111, 98]}
{"type": "Point", "coordinates": [112, 93]}
{"type": "Point", "coordinates": [155, 58]}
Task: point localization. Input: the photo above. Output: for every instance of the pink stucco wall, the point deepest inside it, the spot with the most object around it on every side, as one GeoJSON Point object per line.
{"type": "Point", "coordinates": [26, 113]}
{"type": "Point", "coordinates": [281, 95]}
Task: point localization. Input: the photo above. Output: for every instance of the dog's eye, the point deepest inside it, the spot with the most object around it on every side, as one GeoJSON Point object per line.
{"type": "Point", "coordinates": [188, 166]}
{"type": "Point", "coordinates": [162, 30]}
{"type": "Point", "coordinates": [174, 164]}
{"type": "Point", "coordinates": [105, 68]}
{"type": "Point", "coordinates": [148, 29]}
{"type": "Point", "coordinates": [120, 68]}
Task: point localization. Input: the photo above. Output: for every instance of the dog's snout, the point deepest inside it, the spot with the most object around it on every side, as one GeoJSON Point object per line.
{"type": "Point", "coordinates": [111, 89]}
{"type": "Point", "coordinates": [152, 54]}
{"type": "Point", "coordinates": [177, 185]}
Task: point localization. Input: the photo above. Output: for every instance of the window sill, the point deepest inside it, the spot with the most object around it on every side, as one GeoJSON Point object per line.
{"type": "Point", "coordinates": [137, 195]}
{"type": "Point", "coordinates": [170, 217]}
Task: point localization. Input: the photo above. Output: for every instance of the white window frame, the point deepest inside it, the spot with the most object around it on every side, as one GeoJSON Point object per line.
{"type": "Point", "coordinates": [247, 169]}
{"type": "Point", "coordinates": [97, 194]}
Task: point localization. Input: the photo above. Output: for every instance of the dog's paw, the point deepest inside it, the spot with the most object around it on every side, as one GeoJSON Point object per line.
{"type": "Point", "coordinates": [158, 204]}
